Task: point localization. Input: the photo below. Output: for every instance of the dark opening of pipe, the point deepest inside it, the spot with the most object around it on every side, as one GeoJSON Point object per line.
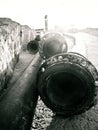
{"type": "Point", "coordinates": [32, 46]}
{"type": "Point", "coordinates": [66, 89]}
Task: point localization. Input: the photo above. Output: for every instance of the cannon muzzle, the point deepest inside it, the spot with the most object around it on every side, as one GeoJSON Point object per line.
{"type": "Point", "coordinates": [32, 46]}
{"type": "Point", "coordinates": [66, 83]}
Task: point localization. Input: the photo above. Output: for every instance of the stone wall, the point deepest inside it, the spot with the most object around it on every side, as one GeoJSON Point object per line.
{"type": "Point", "coordinates": [28, 34]}
{"type": "Point", "coordinates": [12, 37]}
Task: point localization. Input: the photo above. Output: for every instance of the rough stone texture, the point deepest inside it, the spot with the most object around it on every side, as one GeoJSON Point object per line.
{"type": "Point", "coordinates": [10, 47]}
{"type": "Point", "coordinates": [12, 37]}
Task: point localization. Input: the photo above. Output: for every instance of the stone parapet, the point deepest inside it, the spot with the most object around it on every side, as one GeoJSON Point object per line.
{"type": "Point", "coordinates": [12, 38]}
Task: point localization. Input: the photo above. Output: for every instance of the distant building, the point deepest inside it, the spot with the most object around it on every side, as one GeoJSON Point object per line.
{"type": "Point", "coordinates": [40, 31]}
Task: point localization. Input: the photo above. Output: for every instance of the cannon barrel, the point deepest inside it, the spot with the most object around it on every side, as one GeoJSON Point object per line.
{"type": "Point", "coordinates": [66, 81]}
{"type": "Point", "coordinates": [52, 44]}
{"type": "Point", "coordinates": [17, 104]}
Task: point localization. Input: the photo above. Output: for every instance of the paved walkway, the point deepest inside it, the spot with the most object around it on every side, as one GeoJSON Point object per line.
{"type": "Point", "coordinates": [91, 43]}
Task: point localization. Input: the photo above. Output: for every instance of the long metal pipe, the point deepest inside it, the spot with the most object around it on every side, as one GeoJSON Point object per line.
{"type": "Point", "coordinates": [18, 103]}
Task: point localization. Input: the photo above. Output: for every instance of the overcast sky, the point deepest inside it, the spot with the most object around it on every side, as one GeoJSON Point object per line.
{"type": "Point", "coordinates": [60, 12]}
